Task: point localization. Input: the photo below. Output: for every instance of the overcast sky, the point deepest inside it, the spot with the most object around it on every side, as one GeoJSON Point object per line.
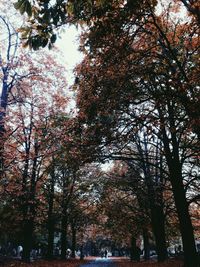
{"type": "Point", "coordinates": [68, 45]}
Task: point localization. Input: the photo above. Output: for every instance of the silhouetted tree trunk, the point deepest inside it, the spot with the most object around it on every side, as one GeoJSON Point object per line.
{"type": "Point", "coordinates": [7, 80]}
{"type": "Point", "coordinates": [146, 245]}
{"type": "Point", "coordinates": [69, 178]}
{"type": "Point", "coordinates": [133, 248]}
{"type": "Point", "coordinates": [185, 223]}
{"type": "Point", "coordinates": [175, 169]}
{"type": "Point", "coordinates": [51, 220]}
{"type": "Point", "coordinates": [64, 220]}
{"type": "Point", "coordinates": [82, 254]}
{"type": "Point", "coordinates": [158, 226]}
{"type": "Point", "coordinates": [27, 240]}
{"type": "Point", "coordinates": [73, 228]}
{"type": "Point", "coordinates": [64, 236]}
{"type": "Point", "coordinates": [3, 107]}
{"type": "Point", "coordinates": [29, 208]}
{"type": "Point", "coordinates": [153, 180]}
{"type": "Point", "coordinates": [28, 228]}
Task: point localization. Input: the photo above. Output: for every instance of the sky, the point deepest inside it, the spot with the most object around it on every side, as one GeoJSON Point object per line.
{"type": "Point", "coordinates": [68, 44]}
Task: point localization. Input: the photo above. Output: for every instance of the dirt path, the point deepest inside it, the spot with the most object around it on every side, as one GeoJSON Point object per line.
{"type": "Point", "coordinates": [100, 262]}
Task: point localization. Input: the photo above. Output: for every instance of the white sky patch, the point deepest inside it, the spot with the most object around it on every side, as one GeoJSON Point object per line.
{"type": "Point", "coordinates": [181, 15]}
{"type": "Point", "coordinates": [68, 44]}
{"type": "Point", "coordinates": [107, 166]}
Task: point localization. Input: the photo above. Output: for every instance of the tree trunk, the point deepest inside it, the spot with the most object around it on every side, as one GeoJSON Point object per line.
{"type": "Point", "coordinates": [66, 197]}
{"type": "Point", "coordinates": [153, 180]}
{"type": "Point", "coordinates": [29, 210]}
{"type": "Point", "coordinates": [2, 140]}
{"type": "Point", "coordinates": [51, 226]}
{"type": "Point", "coordinates": [146, 245]}
{"type": "Point", "coordinates": [133, 248]}
{"type": "Point", "coordinates": [3, 107]}
{"type": "Point", "coordinates": [27, 240]}
{"type": "Point", "coordinates": [158, 225]}
{"type": "Point", "coordinates": [82, 254]}
{"type": "Point", "coordinates": [51, 229]}
{"type": "Point", "coordinates": [64, 237]}
{"type": "Point", "coordinates": [1, 148]}
{"type": "Point", "coordinates": [28, 228]}
{"type": "Point", "coordinates": [186, 228]}
{"type": "Point", "coordinates": [73, 255]}
{"type": "Point", "coordinates": [157, 220]}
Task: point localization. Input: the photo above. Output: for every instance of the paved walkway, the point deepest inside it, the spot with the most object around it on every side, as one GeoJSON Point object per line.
{"type": "Point", "coordinates": [100, 262]}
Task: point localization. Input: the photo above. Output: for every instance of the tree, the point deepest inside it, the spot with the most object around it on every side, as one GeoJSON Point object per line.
{"type": "Point", "coordinates": [153, 171]}
{"type": "Point", "coordinates": [51, 183]}
{"type": "Point", "coordinates": [9, 76]}
{"type": "Point", "coordinates": [45, 18]}
{"type": "Point", "coordinates": [124, 95]}
{"type": "Point", "coordinates": [120, 194]}
{"type": "Point", "coordinates": [31, 142]}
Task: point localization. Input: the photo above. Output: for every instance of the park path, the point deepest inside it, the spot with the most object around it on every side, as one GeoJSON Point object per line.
{"type": "Point", "coordinates": [100, 262]}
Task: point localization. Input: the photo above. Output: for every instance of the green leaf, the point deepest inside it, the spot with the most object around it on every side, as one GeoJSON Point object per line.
{"type": "Point", "coordinates": [28, 9]}
{"type": "Point", "coordinates": [34, 43]}
{"type": "Point", "coordinates": [46, 16]}
{"type": "Point", "coordinates": [53, 38]}
{"type": "Point", "coordinates": [22, 8]}
{"type": "Point", "coordinates": [17, 5]}
{"type": "Point", "coordinates": [44, 42]}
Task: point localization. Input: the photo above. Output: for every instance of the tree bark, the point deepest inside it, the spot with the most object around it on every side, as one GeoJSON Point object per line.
{"type": "Point", "coordinates": [153, 180]}
{"type": "Point", "coordinates": [133, 248]}
{"type": "Point", "coordinates": [64, 237]}
{"type": "Point", "coordinates": [146, 245]}
{"type": "Point", "coordinates": [158, 225]}
{"type": "Point", "coordinates": [50, 225]}
{"type": "Point", "coordinates": [82, 254]}
{"type": "Point", "coordinates": [186, 228]}
{"type": "Point", "coordinates": [157, 221]}
{"type": "Point", "coordinates": [185, 224]}
{"type": "Point", "coordinates": [3, 106]}
{"type": "Point", "coordinates": [29, 209]}
{"type": "Point", "coordinates": [73, 255]}
{"type": "Point", "coordinates": [27, 240]}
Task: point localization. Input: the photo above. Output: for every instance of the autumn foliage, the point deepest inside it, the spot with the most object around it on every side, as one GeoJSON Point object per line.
{"type": "Point", "coordinates": [136, 96]}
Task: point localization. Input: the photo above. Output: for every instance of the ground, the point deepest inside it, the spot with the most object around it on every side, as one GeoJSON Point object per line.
{"type": "Point", "coordinates": [127, 263]}
{"type": "Point", "coordinates": [95, 262]}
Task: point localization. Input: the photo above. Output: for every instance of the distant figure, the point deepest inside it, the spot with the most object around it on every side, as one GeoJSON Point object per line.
{"type": "Point", "coordinates": [105, 253]}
